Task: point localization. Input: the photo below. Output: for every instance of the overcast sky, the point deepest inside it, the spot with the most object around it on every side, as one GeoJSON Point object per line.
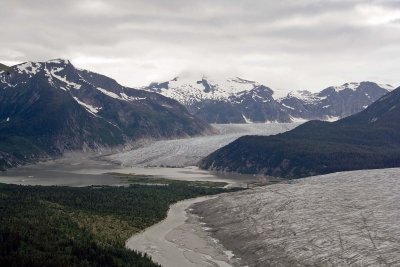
{"type": "Point", "coordinates": [298, 44]}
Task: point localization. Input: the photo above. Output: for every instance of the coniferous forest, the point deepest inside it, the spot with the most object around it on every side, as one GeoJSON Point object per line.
{"type": "Point", "coordinates": [85, 226]}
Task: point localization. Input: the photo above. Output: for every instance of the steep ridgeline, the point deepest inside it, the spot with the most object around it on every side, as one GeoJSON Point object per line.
{"type": "Point", "coordinates": [334, 102]}
{"type": "Point", "coordinates": [49, 107]}
{"type": "Point", "coordinates": [367, 140]}
{"type": "Point", "coordinates": [237, 100]}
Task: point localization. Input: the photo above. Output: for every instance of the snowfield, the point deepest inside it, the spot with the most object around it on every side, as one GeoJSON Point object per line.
{"type": "Point", "coordinates": [190, 89]}
{"type": "Point", "coordinates": [340, 219]}
{"type": "Point", "coordinates": [187, 152]}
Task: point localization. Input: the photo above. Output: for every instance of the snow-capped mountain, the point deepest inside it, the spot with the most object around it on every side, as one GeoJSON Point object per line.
{"type": "Point", "coordinates": [237, 100]}
{"type": "Point", "coordinates": [334, 102]}
{"type": "Point", "coordinates": [232, 100]}
{"type": "Point", "coordinates": [48, 107]}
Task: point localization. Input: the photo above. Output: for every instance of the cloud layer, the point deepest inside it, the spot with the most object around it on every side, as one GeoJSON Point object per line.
{"type": "Point", "coordinates": [289, 44]}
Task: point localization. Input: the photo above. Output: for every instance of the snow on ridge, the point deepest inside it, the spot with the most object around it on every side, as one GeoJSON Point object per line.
{"type": "Point", "coordinates": [89, 108]}
{"type": "Point", "coordinates": [355, 85]}
{"type": "Point", "coordinates": [30, 68]}
{"type": "Point", "coordinates": [352, 86]}
{"type": "Point", "coordinates": [59, 61]}
{"type": "Point", "coordinates": [55, 70]}
{"type": "Point", "coordinates": [280, 94]}
{"type": "Point", "coordinates": [189, 89]}
{"type": "Point", "coordinates": [303, 95]}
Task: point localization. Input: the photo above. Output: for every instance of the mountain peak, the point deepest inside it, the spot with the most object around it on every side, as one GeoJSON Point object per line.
{"type": "Point", "coordinates": [28, 67]}
{"type": "Point", "coordinates": [60, 61]}
{"type": "Point", "coordinates": [32, 68]}
{"type": "Point", "coordinates": [352, 86]}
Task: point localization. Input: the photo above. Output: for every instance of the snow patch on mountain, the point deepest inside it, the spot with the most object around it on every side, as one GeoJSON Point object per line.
{"type": "Point", "coordinates": [90, 108]}
{"type": "Point", "coordinates": [286, 106]}
{"type": "Point", "coordinates": [108, 93]}
{"type": "Point", "coordinates": [50, 78]}
{"type": "Point", "coordinates": [352, 86]}
{"type": "Point", "coordinates": [280, 93]}
{"type": "Point", "coordinates": [130, 98]}
{"type": "Point", "coordinates": [247, 120]}
{"type": "Point", "coordinates": [303, 95]}
{"type": "Point", "coordinates": [54, 72]}
{"type": "Point", "coordinates": [29, 68]}
{"type": "Point", "coordinates": [189, 90]}
{"type": "Point", "coordinates": [59, 61]}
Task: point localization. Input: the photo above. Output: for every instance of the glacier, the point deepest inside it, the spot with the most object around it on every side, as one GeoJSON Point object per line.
{"type": "Point", "coordinates": [187, 152]}
{"type": "Point", "coordinates": [339, 219]}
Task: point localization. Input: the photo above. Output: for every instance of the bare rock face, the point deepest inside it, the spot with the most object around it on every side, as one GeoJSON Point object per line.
{"type": "Point", "coordinates": [341, 219]}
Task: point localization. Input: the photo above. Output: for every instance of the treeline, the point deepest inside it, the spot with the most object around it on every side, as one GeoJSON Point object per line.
{"type": "Point", "coordinates": [88, 226]}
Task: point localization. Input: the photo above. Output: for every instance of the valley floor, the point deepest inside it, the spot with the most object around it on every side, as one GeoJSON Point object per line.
{"type": "Point", "coordinates": [171, 159]}
{"type": "Point", "coordinates": [340, 219]}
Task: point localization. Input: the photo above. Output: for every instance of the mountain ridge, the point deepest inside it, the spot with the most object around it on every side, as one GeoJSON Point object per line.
{"type": "Point", "coordinates": [237, 100]}
{"type": "Point", "coordinates": [53, 106]}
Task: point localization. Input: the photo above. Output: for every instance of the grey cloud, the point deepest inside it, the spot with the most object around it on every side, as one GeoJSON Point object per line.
{"type": "Point", "coordinates": [285, 44]}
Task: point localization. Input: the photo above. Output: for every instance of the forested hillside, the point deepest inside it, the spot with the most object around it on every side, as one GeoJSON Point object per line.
{"type": "Point", "coordinates": [367, 140]}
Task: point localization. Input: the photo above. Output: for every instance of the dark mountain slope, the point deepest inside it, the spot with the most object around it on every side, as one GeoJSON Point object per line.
{"type": "Point", "coordinates": [4, 67]}
{"type": "Point", "coordinates": [369, 139]}
{"type": "Point", "coordinates": [49, 107]}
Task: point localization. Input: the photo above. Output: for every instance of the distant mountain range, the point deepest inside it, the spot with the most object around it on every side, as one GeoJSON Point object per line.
{"type": "Point", "coordinates": [367, 140]}
{"type": "Point", "coordinates": [238, 100]}
{"type": "Point", "coordinates": [49, 107]}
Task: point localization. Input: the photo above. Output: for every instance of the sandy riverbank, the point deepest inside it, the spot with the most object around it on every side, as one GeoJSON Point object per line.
{"type": "Point", "coordinates": [180, 240]}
